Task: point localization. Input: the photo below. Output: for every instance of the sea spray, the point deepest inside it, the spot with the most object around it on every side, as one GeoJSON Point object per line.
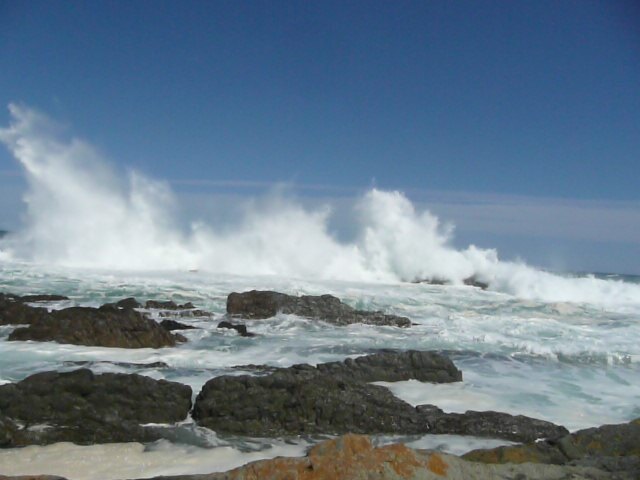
{"type": "Point", "coordinates": [80, 213]}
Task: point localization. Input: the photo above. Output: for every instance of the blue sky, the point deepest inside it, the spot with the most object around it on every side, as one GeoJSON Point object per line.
{"type": "Point", "coordinates": [518, 121]}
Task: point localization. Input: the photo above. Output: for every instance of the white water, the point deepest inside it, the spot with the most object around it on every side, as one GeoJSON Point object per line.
{"type": "Point", "coordinates": [557, 348]}
{"type": "Point", "coordinates": [81, 214]}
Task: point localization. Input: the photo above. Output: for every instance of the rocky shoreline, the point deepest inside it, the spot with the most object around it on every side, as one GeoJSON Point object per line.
{"type": "Point", "coordinates": [333, 398]}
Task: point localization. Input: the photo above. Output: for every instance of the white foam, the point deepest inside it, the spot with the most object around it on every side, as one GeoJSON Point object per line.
{"type": "Point", "coordinates": [81, 214]}
{"type": "Point", "coordinates": [133, 460]}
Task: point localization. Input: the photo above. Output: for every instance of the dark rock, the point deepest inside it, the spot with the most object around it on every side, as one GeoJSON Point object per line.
{"type": "Point", "coordinates": [106, 326]}
{"type": "Point", "coordinates": [605, 447]}
{"type": "Point", "coordinates": [517, 428]}
{"type": "Point", "coordinates": [297, 401]}
{"type": "Point", "coordinates": [14, 312]}
{"type": "Point", "coordinates": [241, 329]}
{"type": "Point", "coordinates": [42, 298]}
{"type": "Point", "coordinates": [474, 282]}
{"type": "Point", "coordinates": [264, 304]}
{"type": "Point", "coordinates": [89, 363]}
{"type": "Point", "coordinates": [129, 302]}
{"type": "Point", "coordinates": [392, 366]}
{"type": "Point", "coordinates": [84, 408]}
{"type": "Point", "coordinates": [168, 305]}
{"type": "Point", "coordinates": [170, 325]}
{"type": "Point", "coordinates": [186, 313]}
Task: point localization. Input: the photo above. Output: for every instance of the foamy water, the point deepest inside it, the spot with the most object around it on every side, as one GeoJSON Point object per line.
{"type": "Point", "coordinates": [558, 348]}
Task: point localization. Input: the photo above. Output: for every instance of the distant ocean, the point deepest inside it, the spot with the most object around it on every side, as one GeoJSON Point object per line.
{"type": "Point", "coordinates": [562, 348]}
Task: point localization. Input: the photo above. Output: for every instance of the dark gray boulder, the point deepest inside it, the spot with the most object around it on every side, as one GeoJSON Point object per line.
{"type": "Point", "coordinates": [297, 401]}
{"type": "Point", "coordinates": [14, 312]}
{"type": "Point", "coordinates": [265, 304]}
{"type": "Point", "coordinates": [171, 325]}
{"type": "Point", "coordinates": [391, 366]}
{"type": "Point", "coordinates": [517, 428]}
{"type": "Point", "coordinates": [85, 408]}
{"type": "Point", "coordinates": [241, 329]}
{"type": "Point", "coordinates": [106, 326]}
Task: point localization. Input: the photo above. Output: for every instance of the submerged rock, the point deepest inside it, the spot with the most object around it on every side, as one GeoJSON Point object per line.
{"type": "Point", "coordinates": [171, 325]}
{"type": "Point", "coordinates": [265, 304]}
{"type": "Point", "coordinates": [517, 428]}
{"type": "Point", "coordinates": [168, 305]}
{"type": "Point", "coordinates": [105, 326]}
{"type": "Point", "coordinates": [85, 408]}
{"type": "Point", "coordinates": [241, 329]}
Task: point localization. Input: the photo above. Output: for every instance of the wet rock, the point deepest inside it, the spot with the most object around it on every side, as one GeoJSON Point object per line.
{"type": "Point", "coordinates": [170, 325]}
{"type": "Point", "coordinates": [85, 408]}
{"type": "Point", "coordinates": [264, 304]}
{"type": "Point", "coordinates": [353, 457]}
{"type": "Point", "coordinates": [89, 363]}
{"type": "Point", "coordinates": [299, 400]}
{"type": "Point", "coordinates": [42, 298]}
{"type": "Point", "coordinates": [168, 305]}
{"type": "Point", "coordinates": [390, 366]}
{"type": "Point", "coordinates": [517, 428]}
{"type": "Point", "coordinates": [14, 312]}
{"type": "Point", "coordinates": [474, 282]}
{"type": "Point", "coordinates": [129, 302]}
{"type": "Point", "coordinates": [105, 326]}
{"type": "Point", "coordinates": [330, 398]}
{"type": "Point", "coordinates": [612, 448]}
{"type": "Point", "coordinates": [241, 329]}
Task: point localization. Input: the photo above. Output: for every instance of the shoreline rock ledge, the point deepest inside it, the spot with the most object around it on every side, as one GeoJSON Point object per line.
{"type": "Point", "coordinates": [261, 304]}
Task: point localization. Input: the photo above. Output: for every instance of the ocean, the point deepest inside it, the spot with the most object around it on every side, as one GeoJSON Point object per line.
{"type": "Point", "coordinates": [562, 348]}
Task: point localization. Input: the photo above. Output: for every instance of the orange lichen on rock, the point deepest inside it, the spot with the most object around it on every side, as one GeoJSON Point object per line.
{"type": "Point", "coordinates": [437, 465]}
{"type": "Point", "coordinates": [347, 457]}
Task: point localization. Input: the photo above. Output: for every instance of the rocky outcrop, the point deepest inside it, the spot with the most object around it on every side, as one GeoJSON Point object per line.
{"type": "Point", "coordinates": [300, 400]}
{"type": "Point", "coordinates": [14, 311]}
{"type": "Point", "coordinates": [171, 325]}
{"type": "Point", "coordinates": [106, 326]}
{"type": "Point", "coordinates": [353, 457]}
{"type": "Point", "coordinates": [517, 428]}
{"type": "Point", "coordinates": [265, 304]}
{"type": "Point", "coordinates": [612, 448]}
{"type": "Point", "coordinates": [85, 408]}
{"type": "Point", "coordinates": [392, 366]}
{"type": "Point", "coordinates": [241, 329]}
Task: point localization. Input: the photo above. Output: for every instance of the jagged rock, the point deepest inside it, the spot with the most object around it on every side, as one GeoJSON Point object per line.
{"type": "Point", "coordinates": [474, 282]}
{"type": "Point", "coordinates": [168, 305]}
{"type": "Point", "coordinates": [170, 325]}
{"type": "Point", "coordinates": [13, 311]}
{"type": "Point", "coordinates": [390, 366]}
{"type": "Point", "coordinates": [517, 428]}
{"type": "Point", "coordinates": [105, 326]}
{"type": "Point", "coordinates": [299, 400]}
{"type": "Point", "coordinates": [129, 302]}
{"type": "Point", "coordinates": [330, 398]}
{"type": "Point", "coordinates": [264, 304]}
{"type": "Point", "coordinates": [611, 448]}
{"type": "Point", "coordinates": [85, 408]}
{"type": "Point", "coordinates": [241, 329]}
{"type": "Point", "coordinates": [353, 457]}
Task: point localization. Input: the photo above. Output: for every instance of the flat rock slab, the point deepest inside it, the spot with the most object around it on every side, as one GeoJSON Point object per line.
{"type": "Point", "coordinates": [265, 304]}
{"type": "Point", "coordinates": [106, 326]}
{"type": "Point", "coordinates": [85, 408]}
